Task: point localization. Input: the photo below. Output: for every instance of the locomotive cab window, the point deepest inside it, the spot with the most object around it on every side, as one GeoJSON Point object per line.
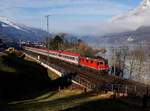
{"type": "Point", "coordinates": [87, 60]}
{"type": "Point", "coordinates": [101, 62]}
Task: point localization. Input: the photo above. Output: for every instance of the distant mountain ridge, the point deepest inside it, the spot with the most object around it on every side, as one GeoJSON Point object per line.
{"type": "Point", "coordinates": [136, 27]}
{"type": "Point", "coordinates": [142, 34]}
{"type": "Point", "coordinates": [13, 32]}
{"type": "Point", "coordinates": [139, 19]}
{"type": "Point", "coordinates": [139, 15]}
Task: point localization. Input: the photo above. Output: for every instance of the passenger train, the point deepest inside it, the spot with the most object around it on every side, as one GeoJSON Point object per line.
{"type": "Point", "coordinates": [74, 58]}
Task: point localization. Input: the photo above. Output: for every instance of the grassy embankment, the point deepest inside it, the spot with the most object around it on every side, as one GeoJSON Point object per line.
{"type": "Point", "coordinates": [73, 101]}
{"type": "Point", "coordinates": [5, 67]}
{"type": "Point", "coordinates": [27, 86]}
{"type": "Point", "coordinates": [22, 79]}
{"type": "Point", "coordinates": [51, 74]}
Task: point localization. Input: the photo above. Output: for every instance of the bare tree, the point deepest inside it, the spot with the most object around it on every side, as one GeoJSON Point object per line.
{"type": "Point", "coordinates": [116, 61]}
{"type": "Point", "coordinates": [131, 62]}
{"type": "Point", "coordinates": [148, 60]}
{"type": "Point", "coordinates": [140, 56]}
{"type": "Point", "coordinates": [124, 53]}
{"type": "Point", "coordinates": [113, 61]}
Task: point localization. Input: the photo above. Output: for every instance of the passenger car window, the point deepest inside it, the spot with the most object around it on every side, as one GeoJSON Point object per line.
{"type": "Point", "coordinates": [101, 62]}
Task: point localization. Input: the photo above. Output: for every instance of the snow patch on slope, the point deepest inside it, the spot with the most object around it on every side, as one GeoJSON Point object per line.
{"type": "Point", "coordinates": [135, 18]}
{"type": "Point", "coordinates": [130, 39]}
{"type": "Point", "coordinates": [145, 4]}
{"type": "Point", "coordinates": [4, 25]}
{"type": "Point", "coordinates": [8, 23]}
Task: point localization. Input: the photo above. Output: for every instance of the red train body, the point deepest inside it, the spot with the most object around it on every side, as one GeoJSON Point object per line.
{"type": "Point", "coordinates": [98, 64]}
{"type": "Point", "coordinates": [75, 58]}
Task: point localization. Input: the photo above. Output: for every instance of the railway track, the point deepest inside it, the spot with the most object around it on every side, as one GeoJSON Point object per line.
{"type": "Point", "coordinates": [93, 79]}
{"type": "Point", "coordinates": [92, 76]}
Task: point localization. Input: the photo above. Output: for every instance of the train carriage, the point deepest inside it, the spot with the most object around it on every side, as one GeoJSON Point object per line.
{"type": "Point", "coordinates": [37, 50]}
{"type": "Point", "coordinates": [73, 58]}
{"type": "Point", "coordinates": [62, 55]}
{"type": "Point", "coordinates": [69, 57]}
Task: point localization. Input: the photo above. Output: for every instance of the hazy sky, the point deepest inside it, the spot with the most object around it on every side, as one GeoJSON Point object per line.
{"type": "Point", "coordinates": [73, 16]}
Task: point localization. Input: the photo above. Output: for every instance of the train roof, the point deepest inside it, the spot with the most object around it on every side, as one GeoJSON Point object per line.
{"type": "Point", "coordinates": [65, 52]}
{"type": "Point", "coordinates": [70, 53]}
{"type": "Point", "coordinates": [58, 51]}
{"type": "Point", "coordinates": [95, 58]}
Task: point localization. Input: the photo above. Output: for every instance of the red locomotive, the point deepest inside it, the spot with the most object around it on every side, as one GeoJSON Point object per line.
{"type": "Point", "coordinates": [75, 58]}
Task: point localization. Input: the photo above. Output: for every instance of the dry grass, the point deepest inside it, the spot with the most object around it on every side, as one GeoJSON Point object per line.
{"type": "Point", "coordinates": [61, 100]}
{"type": "Point", "coordinates": [50, 96]}
{"type": "Point", "coordinates": [29, 59]}
{"type": "Point", "coordinates": [52, 75]}
{"type": "Point", "coordinates": [73, 100]}
{"type": "Point", "coordinates": [4, 67]}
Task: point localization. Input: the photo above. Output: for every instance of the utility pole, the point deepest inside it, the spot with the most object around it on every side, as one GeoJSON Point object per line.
{"type": "Point", "coordinates": [47, 18]}
{"type": "Point", "coordinates": [20, 44]}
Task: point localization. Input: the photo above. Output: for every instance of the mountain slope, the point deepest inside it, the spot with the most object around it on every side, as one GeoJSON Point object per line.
{"type": "Point", "coordinates": [13, 32]}
{"type": "Point", "coordinates": [135, 18]}
{"type": "Point", "coordinates": [135, 27]}
{"type": "Point", "coordinates": [142, 34]}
